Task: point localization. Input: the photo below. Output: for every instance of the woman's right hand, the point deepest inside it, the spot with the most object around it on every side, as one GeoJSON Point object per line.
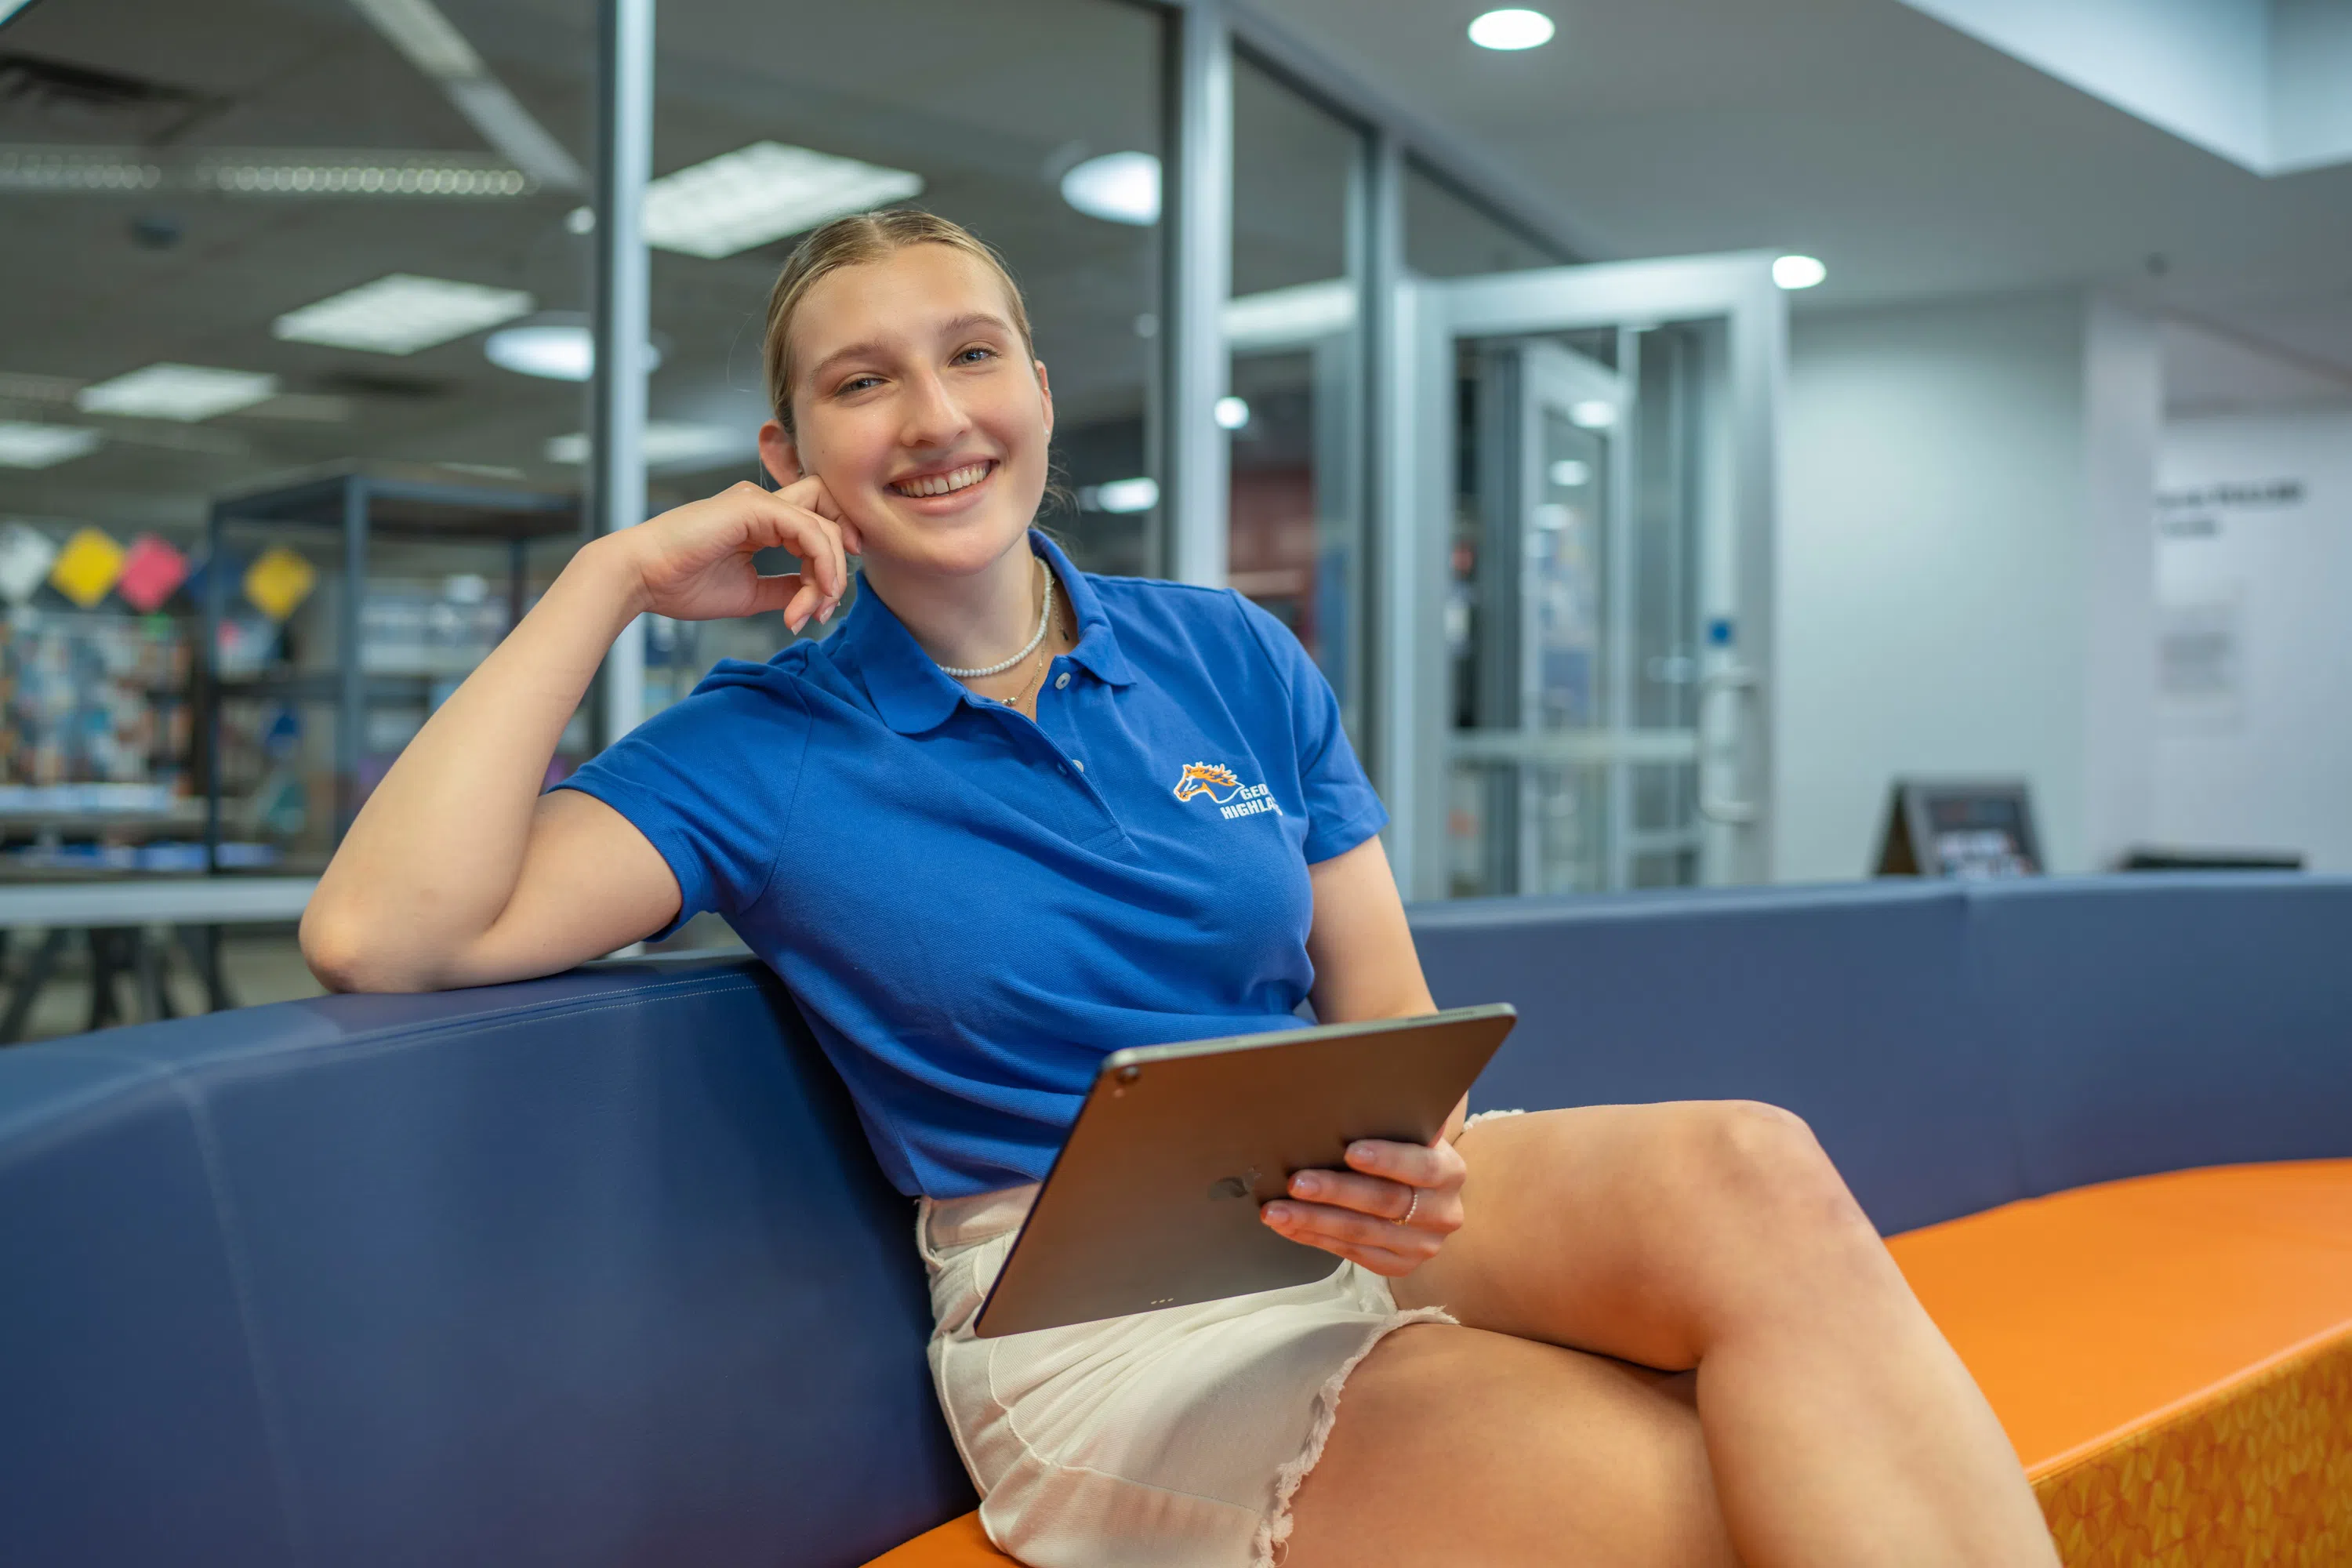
{"type": "Point", "coordinates": [694, 561]}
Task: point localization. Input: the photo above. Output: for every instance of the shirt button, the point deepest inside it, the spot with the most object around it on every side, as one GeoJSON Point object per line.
{"type": "Point", "coordinates": [1061, 680]}
{"type": "Point", "coordinates": [1077, 765]}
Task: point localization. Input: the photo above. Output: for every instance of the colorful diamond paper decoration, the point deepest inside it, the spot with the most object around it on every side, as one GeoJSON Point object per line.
{"type": "Point", "coordinates": [87, 567]}
{"type": "Point", "coordinates": [279, 580]}
{"type": "Point", "coordinates": [151, 572]}
{"type": "Point", "coordinates": [25, 556]}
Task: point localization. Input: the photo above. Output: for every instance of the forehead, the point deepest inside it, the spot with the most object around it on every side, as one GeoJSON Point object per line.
{"type": "Point", "coordinates": [902, 297]}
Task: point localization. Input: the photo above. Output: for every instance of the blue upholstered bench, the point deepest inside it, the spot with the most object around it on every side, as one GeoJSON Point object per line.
{"type": "Point", "coordinates": [596, 1269]}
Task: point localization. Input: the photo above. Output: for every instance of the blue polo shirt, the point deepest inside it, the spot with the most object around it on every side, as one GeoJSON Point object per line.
{"type": "Point", "coordinates": [973, 910]}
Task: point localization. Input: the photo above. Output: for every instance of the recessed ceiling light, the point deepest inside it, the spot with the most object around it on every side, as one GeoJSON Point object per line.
{"type": "Point", "coordinates": [1232, 411]}
{"type": "Point", "coordinates": [1593, 413]}
{"type": "Point", "coordinates": [758, 193]}
{"type": "Point", "coordinates": [1797, 271]}
{"type": "Point", "coordinates": [185, 392]}
{"type": "Point", "coordinates": [558, 348]}
{"type": "Point", "coordinates": [1117, 187]}
{"type": "Point", "coordinates": [401, 314]}
{"type": "Point", "coordinates": [1511, 29]}
{"type": "Point", "coordinates": [26, 446]}
{"type": "Point", "coordinates": [1569, 472]}
{"type": "Point", "coordinates": [666, 445]}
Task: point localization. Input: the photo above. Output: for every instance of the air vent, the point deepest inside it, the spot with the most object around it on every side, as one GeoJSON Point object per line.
{"type": "Point", "coordinates": [83, 102]}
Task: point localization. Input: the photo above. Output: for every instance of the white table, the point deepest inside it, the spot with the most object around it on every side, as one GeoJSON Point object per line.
{"type": "Point", "coordinates": [118, 917]}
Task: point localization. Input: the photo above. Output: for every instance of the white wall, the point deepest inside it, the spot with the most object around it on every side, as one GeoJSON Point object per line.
{"type": "Point", "coordinates": [1964, 542]}
{"type": "Point", "coordinates": [2265, 762]}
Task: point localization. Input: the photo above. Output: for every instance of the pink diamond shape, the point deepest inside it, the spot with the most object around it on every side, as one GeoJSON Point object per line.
{"type": "Point", "coordinates": [150, 573]}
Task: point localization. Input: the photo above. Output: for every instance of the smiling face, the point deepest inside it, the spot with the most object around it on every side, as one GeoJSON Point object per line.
{"type": "Point", "coordinates": [916, 400]}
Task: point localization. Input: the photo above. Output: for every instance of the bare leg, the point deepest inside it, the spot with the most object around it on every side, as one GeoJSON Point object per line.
{"type": "Point", "coordinates": [1460, 1449]}
{"type": "Point", "coordinates": [1838, 1426]}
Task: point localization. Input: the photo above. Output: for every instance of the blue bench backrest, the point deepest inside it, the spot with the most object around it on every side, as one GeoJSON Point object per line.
{"type": "Point", "coordinates": [597, 1270]}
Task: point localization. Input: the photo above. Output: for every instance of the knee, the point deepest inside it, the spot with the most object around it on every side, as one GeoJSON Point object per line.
{"type": "Point", "coordinates": [1758, 1172]}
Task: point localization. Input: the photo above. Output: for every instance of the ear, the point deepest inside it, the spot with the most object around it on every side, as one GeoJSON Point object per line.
{"type": "Point", "coordinates": [778, 454]}
{"type": "Point", "coordinates": [1046, 391]}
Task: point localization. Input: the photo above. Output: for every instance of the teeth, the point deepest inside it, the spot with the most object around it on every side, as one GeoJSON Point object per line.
{"type": "Point", "coordinates": [943, 484]}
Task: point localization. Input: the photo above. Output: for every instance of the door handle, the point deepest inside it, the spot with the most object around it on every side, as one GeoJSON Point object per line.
{"type": "Point", "coordinates": [1734, 678]}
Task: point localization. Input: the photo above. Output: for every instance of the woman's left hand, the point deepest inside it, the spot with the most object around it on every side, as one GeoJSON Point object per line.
{"type": "Point", "coordinates": [1391, 1210]}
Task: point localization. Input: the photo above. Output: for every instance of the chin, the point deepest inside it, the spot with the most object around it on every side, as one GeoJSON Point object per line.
{"type": "Point", "coordinates": [951, 546]}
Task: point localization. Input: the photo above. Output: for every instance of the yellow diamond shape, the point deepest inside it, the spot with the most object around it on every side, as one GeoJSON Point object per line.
{"type": "Point", "coordinates": [279, 580]}
{"type": "Point", "coordinates": [87, 567]}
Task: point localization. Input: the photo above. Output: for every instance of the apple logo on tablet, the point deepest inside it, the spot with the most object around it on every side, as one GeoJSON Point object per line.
{"type": "Point", "coordinates": [1234, 1186]}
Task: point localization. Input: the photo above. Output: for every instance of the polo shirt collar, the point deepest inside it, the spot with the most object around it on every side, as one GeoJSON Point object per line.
{"type": "Point", "coordinates": [911, 691]}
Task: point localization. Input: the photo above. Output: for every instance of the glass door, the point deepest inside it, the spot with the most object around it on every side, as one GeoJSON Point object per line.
{"type": "Point", "coordinates": [1591, 503]}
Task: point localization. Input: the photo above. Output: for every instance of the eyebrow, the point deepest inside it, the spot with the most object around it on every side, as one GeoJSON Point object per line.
{"type": "Point", "coordinates": [946, 329]}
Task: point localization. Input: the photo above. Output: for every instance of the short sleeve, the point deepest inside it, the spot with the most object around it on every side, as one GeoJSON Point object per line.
{"type": "Point", "coordinates": [709, 782]}
{"type": "Point", "coordinates": [1342, 809]}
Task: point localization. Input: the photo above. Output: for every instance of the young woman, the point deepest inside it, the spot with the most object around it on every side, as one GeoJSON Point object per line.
{"type": "Point", "coordinates": [1626, 1335]}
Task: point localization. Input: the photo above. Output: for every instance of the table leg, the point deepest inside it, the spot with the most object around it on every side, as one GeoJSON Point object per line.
{"type": "Point", "coordinates": [203, 946]}
{"type": "Point", "coordinates": [38, 967]}
{"type": "Point", "coordinates": [152, 960]}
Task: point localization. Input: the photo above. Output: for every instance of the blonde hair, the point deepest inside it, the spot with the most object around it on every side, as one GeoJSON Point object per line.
{"type": "Point", "coordinates": [851, 242]}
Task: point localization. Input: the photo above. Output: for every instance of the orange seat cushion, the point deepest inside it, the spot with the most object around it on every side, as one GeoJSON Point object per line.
{"type": "Point", "coordinates": [2171, 1356]}
{"type": "Point", "coordinates": [957, 1543]}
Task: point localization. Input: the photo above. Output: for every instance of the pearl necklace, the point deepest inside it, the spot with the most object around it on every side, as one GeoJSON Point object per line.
{"type": "Point", "coordinates": [1044, 617]}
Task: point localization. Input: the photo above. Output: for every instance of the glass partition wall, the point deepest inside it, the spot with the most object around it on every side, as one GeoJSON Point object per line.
{"type": "Point", "coordinates": [1295, 414]}
{"type": "Point", "coordinates": [253, 246]}
{"type": "Point", "coordinates": [1036, 123]}
{"type": "Point", "coordinates": [364, 236]}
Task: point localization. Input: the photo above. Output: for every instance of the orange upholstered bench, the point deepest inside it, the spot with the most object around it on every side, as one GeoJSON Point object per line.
{"type": "Point", "coordinates": [2171, 1355]}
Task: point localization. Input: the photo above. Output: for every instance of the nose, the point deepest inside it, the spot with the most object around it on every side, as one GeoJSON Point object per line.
{"type": "Point", "coordinates": [933, 417]}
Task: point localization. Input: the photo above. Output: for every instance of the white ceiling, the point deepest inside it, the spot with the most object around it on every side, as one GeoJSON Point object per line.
{"type": "Point", "coordinates": [1913, 159]}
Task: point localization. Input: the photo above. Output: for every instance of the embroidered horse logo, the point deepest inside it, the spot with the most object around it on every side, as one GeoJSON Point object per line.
{"type": "Point", "coordinates": [1215, 780]}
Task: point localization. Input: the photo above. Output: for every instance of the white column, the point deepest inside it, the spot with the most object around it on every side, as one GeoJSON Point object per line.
{"type": "Point", "coordinates": [616, 423]}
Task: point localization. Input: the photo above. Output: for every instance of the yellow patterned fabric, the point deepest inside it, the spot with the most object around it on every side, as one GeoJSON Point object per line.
{"type": "Point", "coordinates": [2170, 1355]}
{"type": "Point", "coordinates": [2258, 1470]}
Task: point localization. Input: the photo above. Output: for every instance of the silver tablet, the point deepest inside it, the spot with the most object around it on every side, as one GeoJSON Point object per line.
{"type": "Point", "coordinates": [1153, 1201]}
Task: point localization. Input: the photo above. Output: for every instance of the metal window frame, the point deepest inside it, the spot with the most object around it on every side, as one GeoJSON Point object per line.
{"type": "Point", "coordinates": [1196, 367]}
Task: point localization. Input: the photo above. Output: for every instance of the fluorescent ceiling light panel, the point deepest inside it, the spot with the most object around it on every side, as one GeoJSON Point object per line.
{"type": "Point", "coordinates": [27, 445]}
{"type": "Point", "coordinates": [1298, 314]}
{"type": "Point", "coordinates": [1593, 413]}
{"type": "Point", "coordinates": [185, 392]}
{"type": "Point", "coordinates": [418, 29]}
{"type": "Point", "coordinates": [762, 193]}
{"type": "Point", "coordinates": [1122, 495]}
{"type": "Point", "coordinates": [401, 313]}
{"type": "Point", "coordinates": [666, 445]}
{"type": "Point", "coordinates": [1117, 187]}
{"type": "Point", "coordinates": [558, 350]}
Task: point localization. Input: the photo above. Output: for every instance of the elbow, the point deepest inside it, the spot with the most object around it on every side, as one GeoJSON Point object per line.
{"type": "Point", "coordinates": [344, 954]}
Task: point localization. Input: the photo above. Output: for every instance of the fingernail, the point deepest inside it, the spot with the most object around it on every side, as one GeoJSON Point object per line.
{"type": "Point", "coordinates": [1306, 1185]}
{"type": "Point", "coordinates": [1360, 1150]}
{"type": "Point", "coordinates": [1279, 1214]}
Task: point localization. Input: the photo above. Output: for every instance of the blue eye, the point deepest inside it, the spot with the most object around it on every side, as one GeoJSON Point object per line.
{"type": "Point", "coordinates": [860, 382]}
{"type": "Point", "coordinates": [966, 355]}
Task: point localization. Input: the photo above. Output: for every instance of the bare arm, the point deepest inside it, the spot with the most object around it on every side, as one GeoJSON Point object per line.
{"type": "Point", "coordinates": [1396, 1203]}
{"type": "Point", "coordinates": [456, 872]}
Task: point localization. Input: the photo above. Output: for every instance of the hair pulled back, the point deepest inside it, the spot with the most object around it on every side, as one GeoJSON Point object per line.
{"type": "Point", "coordinates": [854, 241]}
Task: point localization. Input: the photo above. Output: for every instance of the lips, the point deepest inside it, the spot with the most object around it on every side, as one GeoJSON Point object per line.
{"type": "Point", "coordinates": [927, 485]}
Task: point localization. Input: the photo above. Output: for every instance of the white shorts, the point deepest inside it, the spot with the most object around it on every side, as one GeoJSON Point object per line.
{"type": "Point", "coordinates": [1167, 1439]}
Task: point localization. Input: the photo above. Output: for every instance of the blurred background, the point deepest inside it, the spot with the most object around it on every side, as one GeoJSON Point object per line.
{"type": "Point", "coordinates": [1702, 443]}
